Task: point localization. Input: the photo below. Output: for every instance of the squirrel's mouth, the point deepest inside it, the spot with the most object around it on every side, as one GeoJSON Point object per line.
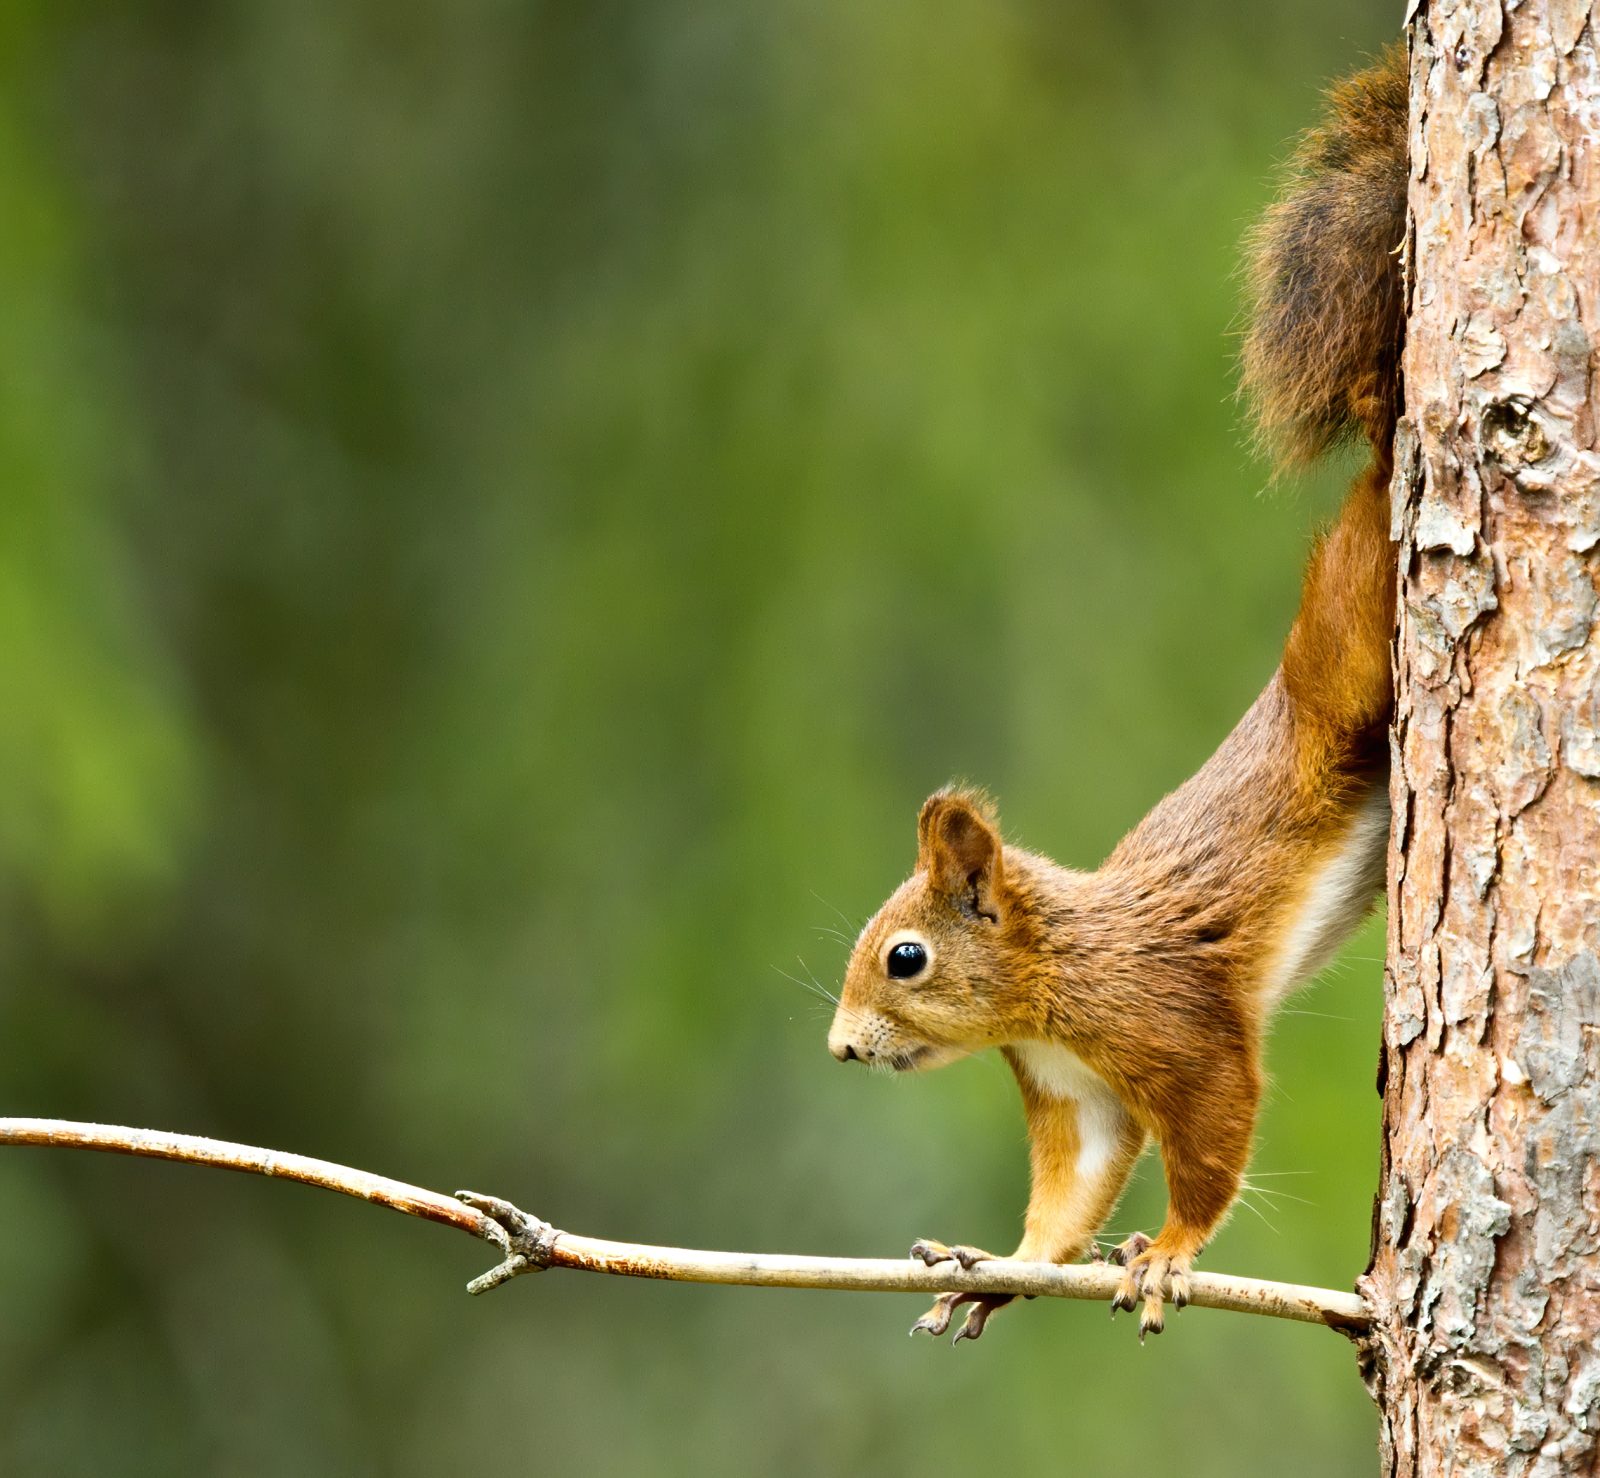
{"type": "Point", "coordinates": [923, 1056]}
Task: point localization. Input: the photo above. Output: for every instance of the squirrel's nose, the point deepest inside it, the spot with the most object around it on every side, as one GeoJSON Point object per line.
{"type": "Point", "coordinates": [845, 1052]}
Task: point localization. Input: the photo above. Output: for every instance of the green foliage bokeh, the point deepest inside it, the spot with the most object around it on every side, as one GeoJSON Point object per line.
{"type": "Point", "coordinates": [505, 510]}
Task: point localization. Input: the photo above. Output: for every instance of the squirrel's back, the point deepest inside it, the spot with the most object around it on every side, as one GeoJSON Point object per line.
{"type": "Point", "coordinates": [1321, 354]}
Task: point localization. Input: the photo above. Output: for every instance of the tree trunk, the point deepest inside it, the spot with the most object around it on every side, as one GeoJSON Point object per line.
{"type": "Point", "coordinates": [1486, 1262]}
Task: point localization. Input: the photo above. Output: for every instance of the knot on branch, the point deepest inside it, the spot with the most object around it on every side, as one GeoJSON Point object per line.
{"type": "Point", "coordinates": [528, 1243]}
{"type": "Point", "coordinates": [1514, 435]}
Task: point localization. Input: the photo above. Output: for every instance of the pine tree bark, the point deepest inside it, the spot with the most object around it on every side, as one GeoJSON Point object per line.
{"type": "Point", "coordinates": [1485, 1279]}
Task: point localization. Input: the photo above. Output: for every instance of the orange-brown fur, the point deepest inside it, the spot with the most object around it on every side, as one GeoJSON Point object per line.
{"type": "Point", "coordinates": [1322, 352]}
{"type": "Point", "coordinates": [1131, 1001]}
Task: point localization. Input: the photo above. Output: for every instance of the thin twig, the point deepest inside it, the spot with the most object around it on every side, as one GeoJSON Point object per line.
{"type": "Point", "coordinates": [191, 1149]}
{"type": "Point", "coordinates": [530, 1244]}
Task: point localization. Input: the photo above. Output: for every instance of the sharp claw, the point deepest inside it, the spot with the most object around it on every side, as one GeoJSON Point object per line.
{"type": "Point", "coordinates": [1125, 1252]}
{"type": "Point", "coordinates": [937, 1319]}
{"type": "Point", "coordinates": [930, 1252]}
{"type": "Point", "coordinates": [973, 1325]}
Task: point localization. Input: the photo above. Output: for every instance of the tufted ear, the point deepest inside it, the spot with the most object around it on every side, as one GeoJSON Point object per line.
{"type": "Point", "coordinates": [959, 849]}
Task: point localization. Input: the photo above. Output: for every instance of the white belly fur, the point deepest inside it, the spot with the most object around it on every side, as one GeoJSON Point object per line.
{"type": "Point", "coordinates": [1058, 1072]}
{"type": "Point", "coordinates": [1337, 899]}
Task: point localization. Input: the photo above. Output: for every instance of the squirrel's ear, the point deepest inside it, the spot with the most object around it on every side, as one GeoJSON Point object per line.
{"type": "Point", "coordinates": [959, 848]}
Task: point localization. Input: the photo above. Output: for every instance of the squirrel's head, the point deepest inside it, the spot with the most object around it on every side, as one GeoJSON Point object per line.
{"type": "Point", "coordinates": [936, 973]}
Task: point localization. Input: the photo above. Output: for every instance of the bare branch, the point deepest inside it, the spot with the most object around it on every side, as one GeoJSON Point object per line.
{"type": "Point", "coordinates": [530, 1244]}
{"type": "Point", "coordinates": [191, 1149]}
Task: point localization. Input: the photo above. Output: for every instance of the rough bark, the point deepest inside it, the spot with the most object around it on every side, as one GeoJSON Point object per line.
{"type": "Point", "coordinates": [1485, 1281]}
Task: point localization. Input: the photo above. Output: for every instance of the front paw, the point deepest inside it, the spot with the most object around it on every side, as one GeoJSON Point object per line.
{"type": "Point", "coordinates": [1153, 1274]}
{"type": "Point", "coordinates": [1125, 1252]}
{"type": "Point", "coordinates": [979, 1306]}
{"type": "Point", "coordinates": [982, 1305]}
{"type": "Point", "coordinates": [933, 1252]}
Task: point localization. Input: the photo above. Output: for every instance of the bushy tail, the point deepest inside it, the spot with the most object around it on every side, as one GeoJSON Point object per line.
{"type": "Point", "coordinates": [1321, 356]}
{"type": "Point", "coordinates": [1321, 361]}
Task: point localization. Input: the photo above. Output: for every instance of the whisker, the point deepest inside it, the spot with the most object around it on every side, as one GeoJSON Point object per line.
{"type": "Point", "coordinates": [817, 984]}
{"type": "Point", "coordinates": [844, 918]}
{"type": "Point", "coordinates": [1256, 1212]}
{"type": "Point", "coordinates": [807, 985]}
{"type": "Point", "coordinates": [815, 988]}
{"type": "Point", "coordinates": [820, 989]}
{"type": "Point", "coordinates": [1272, 1196]}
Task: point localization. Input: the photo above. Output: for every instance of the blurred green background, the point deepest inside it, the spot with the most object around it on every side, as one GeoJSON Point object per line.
{"type": "Point", "coordinates": [505, 510]}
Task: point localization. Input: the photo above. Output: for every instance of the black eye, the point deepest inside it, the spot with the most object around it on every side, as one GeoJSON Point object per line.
{"type": "Point", "coordinates": [906, 960]}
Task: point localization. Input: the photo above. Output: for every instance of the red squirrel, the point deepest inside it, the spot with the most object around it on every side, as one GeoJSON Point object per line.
{"type": "Point", "coordinates": [1131, 1001]}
